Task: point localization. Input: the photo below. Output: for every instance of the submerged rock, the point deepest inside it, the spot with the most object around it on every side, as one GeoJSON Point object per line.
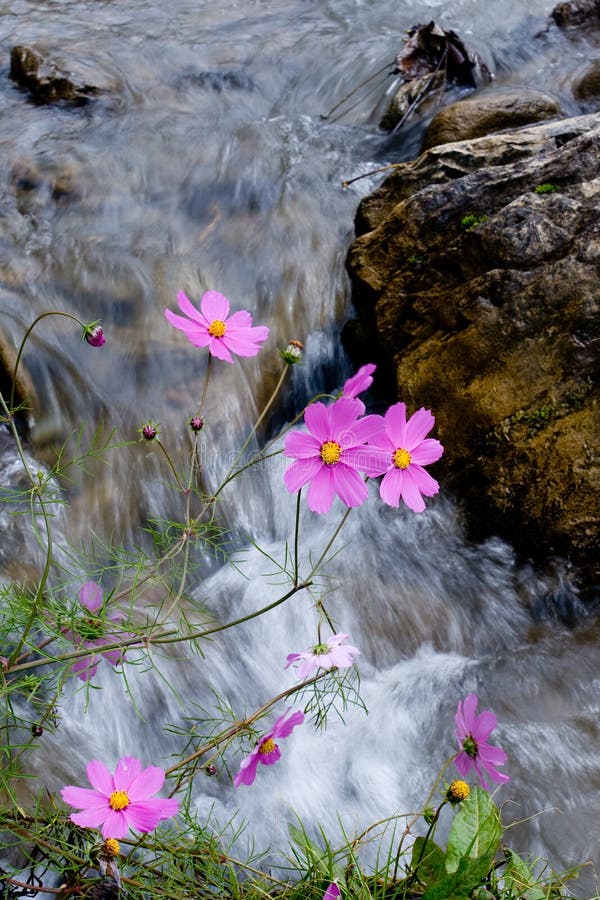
{"type": "Point", "coordinates": [46, 81]}
{"type": "Point", "coordinates": [475, 279]}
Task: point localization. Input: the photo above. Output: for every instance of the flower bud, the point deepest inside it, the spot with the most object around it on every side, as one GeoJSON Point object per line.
{"type": "Point", "coordinates": [94, 335]}
{"type": "Point", "coordinates": [293, 352]}
{"type": "Point", "coordinates": [196, 423]}
{"type": "Point", "coordinates": [210, 769]}
{"type": "Point", "coordinates": [149, 431]}
{"type": "Point", "coordinates": [37, 730]}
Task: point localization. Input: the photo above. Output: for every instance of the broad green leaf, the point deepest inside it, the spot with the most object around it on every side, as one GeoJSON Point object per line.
{"type": "Point", "coordinates": [428, 860]}
{"type": "Point", "coordinates": [520, 879]}
{"type": "Point", "coordinates": [476, 830]}
{"type": "Point", "coordinates": [459, 885]}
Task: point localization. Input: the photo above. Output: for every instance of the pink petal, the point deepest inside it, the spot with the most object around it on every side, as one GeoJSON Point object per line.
{"type": "Point", "coordinates": [283, 726]}
{"type": "Point", "coordinates": [293, 657]}
{"type": "Point", "coordinates": [395, 424]}
{"type": "Point", "coordinates": [411, 494]}
{"type": "Point", "coordinates": [418, 426]}
{"type": "Point", "coordinates": [196, 334]}
{"type": "Point", "coordinates": [333, 892]}
{"type": "Point", "coordinates": [128, 769]}
{"type": "Point", "coordinates": [495, 756]}
{"type": "Point", "coordinates": [321, 491]}
{"type": "Point", "coordinates": [83, 798]}
{"type": "Point", "coordinates": [359, 382]}
{"type": "Point", "coordinates": [468, 711]}
{"type": "Point", "coordinates": [349, 486]}
{"type": "Point", "coordinates": [498, 777]}
{"type": "Point", "coordinates": [100, 777]}
{"type": "Point", "coordinates": [362, 430]}
{"type": "Point", "coordinates": [390, 488]}
{"type": "Point", "coordinates": [247, 770]}
{"type": "Point", "coordinates": [86, 667]}
{"type": "Point", "coordinates": [301, 472]}
{"type": "Point", "coordinates": [337, 639]}
{"type": "Point", "coordinates": [146, 784]}
{"type": "Point", "coordinates": [307, 668]}
{"type": "Point", "coordinates": [242, 343]}
{"type": "Point", "coordinates": [187, 307]}
{"type": "Point", "coordinates": [214, 306]}
{"type": "Point", "coordinates": [116, 824]}
{"type": "Point", "coordinates": [92, 817]}
{"type": "Point", "coordinates": [343, 657]}
{"type": "Point", "coordinates": [342, 417]}
{"type": "Point", "coordinates": [90, 596]}
{"type": "Point", "coordinates": [427, 452]}
{"type": "Point", "coordinates": [463, 763]}
{"type": "Point", "coordinates": [300, 445]}
{"type": "Point", "coordinates": [483, 726]}
{"type": "Point", "coordinates": [317, 422]}
{"type": "Point", "coordinates": [422, 480]}
{"type": "Point", "coordinates": [218, 349]}
{"type": "Point", "coordinates": [238, 320]}
{"type": "Point", "coordinates": [366, 459]}
{"type": "Point", "coordinates": [146, 814]}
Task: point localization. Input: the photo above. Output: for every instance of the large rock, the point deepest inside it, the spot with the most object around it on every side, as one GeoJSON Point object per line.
{"type": "Point", "coordinates": [476, 282]}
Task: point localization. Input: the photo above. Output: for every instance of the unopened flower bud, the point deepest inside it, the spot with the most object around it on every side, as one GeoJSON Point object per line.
{"type": "Point", "coordinates": [196, 423]}
{"type": "Point", "coordinates": [293, 352]}
{"type": "Point", "coordinates": [149, 431]}
{"type": "Point", "coordinates": [210, 769]}
{"type": "Point", "coordinates": [458, 791]}
{"type": "Point", "coordinates": [94, 335]}
{"type": "Point", "coordinates": [430, 815]}
{"type": "Point", "coordinates": [37, 730]}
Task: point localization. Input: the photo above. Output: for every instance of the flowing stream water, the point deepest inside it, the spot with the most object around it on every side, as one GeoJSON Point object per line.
{"type": "Point", "coordinates": [208, 165]}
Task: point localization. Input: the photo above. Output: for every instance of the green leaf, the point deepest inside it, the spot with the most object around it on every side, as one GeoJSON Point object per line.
{"type": "Point", "coordinates": [460, 884]}
{"type": "Point", "coordinates": [428, 861]}
{"type": "Point", "coordinates": [476, 831]}
{"type": "Point", "coordinates": [520, 879]}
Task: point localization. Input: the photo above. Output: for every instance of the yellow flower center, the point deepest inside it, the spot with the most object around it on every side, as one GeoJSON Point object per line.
{"type": "Point", "coordinates": [401, 458]}
{"type": "Point", "coordinates": [118, 800]}
{"type": "Point", "coordinates": [331, 452]}
{"type": "Point", "coordinates": [458, 790]}
{"type": "Point", "coordinates": [267, 746]}
{"type": "Point", "coordinates": [111, 847]}
{"type": "Point", "coordinates": [217, 328]}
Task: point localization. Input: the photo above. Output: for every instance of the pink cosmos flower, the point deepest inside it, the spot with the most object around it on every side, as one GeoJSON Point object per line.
{"type": "Point", "coordinates": [333, 892]}
{"type": "Point", "coordinates": [121, 801]}
{"type": "Point", "coordinates": [266, 751]}
{"type": "Point", "coordinates": [404, 451]}
{"type": "Point", "coordinates": [472, 733]}
{"type": "Point", "coordinates": [92, 633]}
{"type": "Point", "coordinates": [331, 456]}
{"type": "Point", "coordinates": [330, 655]}
{"type": "Point", "coordinates": [213, 327]}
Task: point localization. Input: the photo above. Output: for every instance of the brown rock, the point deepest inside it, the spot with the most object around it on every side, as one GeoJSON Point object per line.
{"type": "Point", "coordinates": [488, 112]}
{"type": "Point", "coordinates": [587, 86]}
{"type": "Point", "coordinates": [577, 13]}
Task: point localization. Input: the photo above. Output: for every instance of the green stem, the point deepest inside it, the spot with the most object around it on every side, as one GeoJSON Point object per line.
{"type": "Point", "coordinates": [66, 315]}
{"type": "Point", "coordinates": [40, 588]}
{"type": "Point", "coordinates": [296, 535]}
